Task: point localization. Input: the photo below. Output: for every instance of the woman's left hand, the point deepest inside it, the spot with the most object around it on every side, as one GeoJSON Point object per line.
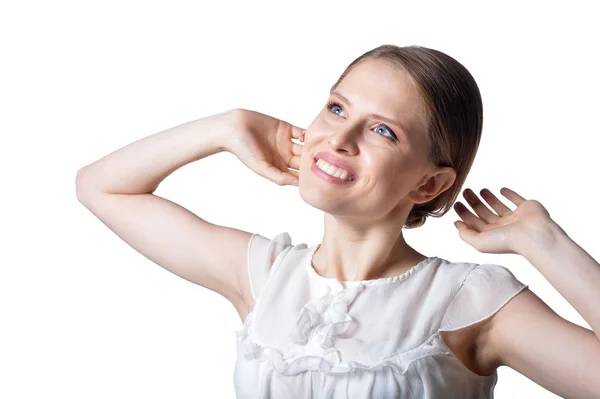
{"type": "Point", "coordinates": [499, 232]}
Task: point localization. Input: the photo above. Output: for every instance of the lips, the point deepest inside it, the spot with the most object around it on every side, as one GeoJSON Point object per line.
{"type": "Point", "coordinates": [330, 159]}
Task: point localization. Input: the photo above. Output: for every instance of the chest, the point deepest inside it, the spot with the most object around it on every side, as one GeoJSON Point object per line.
{"type": "Point", "coordinates": [365, 324]}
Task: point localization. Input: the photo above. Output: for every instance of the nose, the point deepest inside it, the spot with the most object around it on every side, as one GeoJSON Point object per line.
{"type": "Point", "coordinates": [343, 138]}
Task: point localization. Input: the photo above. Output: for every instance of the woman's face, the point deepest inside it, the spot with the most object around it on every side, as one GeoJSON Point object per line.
{"type": "Point", "coordinates": [373, 125]}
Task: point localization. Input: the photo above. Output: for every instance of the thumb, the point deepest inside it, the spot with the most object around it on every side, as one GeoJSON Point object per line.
{"type": "Point", "coordinates": [466, 233]}
{"type": "Point", "coordinates": [278, 176]}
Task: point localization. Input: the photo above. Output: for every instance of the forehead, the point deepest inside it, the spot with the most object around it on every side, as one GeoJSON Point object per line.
{"type": "Point", "coordinates": [378, 86]}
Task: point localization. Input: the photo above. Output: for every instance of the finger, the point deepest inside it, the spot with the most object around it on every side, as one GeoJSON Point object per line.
{"type": "Point", "coordinates": [294, 173]}
{"type": "Point", "coordinates": [297, 149]}
{"type": "Point", "coordinates": [295, 162]}
{"type": "Point", "coordinates": [473, 221]}
{"type": "Point", "coordinates": [298, 132]}
{"type": "Point", "coordinates": [513, 196]}
{"type": "Point", "coordinates": [291, 175]}
{"type": "Point", "coordinates": [280, 177]}
{"type": "Point", "coordinates": [479, 207]}
{"type": "Point", "coordinates": [495, 203]}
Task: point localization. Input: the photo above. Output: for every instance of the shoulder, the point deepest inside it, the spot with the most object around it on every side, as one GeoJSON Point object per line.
{"type": "Point", "coordinates": [265, 257]}
{"type": "Point", "coordinates": [482, 291]}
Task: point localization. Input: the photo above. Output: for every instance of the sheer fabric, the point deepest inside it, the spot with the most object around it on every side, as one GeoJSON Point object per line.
{"type": "Point", "coordinates": [315, 337]}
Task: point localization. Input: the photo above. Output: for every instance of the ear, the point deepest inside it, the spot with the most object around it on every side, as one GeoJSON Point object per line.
{"type": "Point", "coordinates": [433, 184]}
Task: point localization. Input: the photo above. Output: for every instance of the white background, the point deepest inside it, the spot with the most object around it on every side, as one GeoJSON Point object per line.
{"type": "Point", "coordinates": [86, 316]}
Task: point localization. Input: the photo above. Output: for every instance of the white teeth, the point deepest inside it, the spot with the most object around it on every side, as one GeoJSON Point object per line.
{"type": "Point", "coordinates": [332, 170]}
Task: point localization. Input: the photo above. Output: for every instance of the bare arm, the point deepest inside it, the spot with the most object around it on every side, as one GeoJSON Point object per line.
{"type": "Point", "coordinates": [118, 190]}
{"type": "Point", "coordinates": [139, 167]}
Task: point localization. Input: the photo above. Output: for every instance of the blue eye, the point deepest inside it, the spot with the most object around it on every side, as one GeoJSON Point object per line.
{"type": "Point", "coordinates": [332, 104]}
{"type": "Point", "coordinates": [386, 128]}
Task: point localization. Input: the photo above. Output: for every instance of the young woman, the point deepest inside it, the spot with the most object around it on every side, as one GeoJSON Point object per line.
{"type": "Point", "coordinates": [363, 314]}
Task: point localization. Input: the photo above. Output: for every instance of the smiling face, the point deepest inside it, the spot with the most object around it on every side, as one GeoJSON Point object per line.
{"type": "Point", "coordinates": [372, 122]}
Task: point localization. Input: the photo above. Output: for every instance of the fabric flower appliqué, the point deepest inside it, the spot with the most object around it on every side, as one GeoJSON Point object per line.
{"type": "Point", "coordinates": [320, 320]}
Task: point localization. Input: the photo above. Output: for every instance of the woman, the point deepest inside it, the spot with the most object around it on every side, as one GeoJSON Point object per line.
{"type": "Point", "coordinates": [363, 314]}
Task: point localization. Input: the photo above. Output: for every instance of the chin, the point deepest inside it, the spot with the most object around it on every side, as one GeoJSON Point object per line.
{"type": "Point", "coordinates": [318, 199]}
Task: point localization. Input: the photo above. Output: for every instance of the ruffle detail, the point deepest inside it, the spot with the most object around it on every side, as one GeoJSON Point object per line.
{"type": "Point", "coordinates": [317, 325]}
{"type": "Point", "coordinates": [329, 362]}
{"type": "Point", "coordinates": [323, 318]}
{"type": "Point", "coordinates": [318, 322]}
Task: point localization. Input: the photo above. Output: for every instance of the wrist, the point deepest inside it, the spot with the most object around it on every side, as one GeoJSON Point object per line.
{"type": "Point", "coordinates": [231, 123]}
{"type": "Point", "coordinates": [221, 128]}
{"type": "Point", "coordinates": [544, 236]}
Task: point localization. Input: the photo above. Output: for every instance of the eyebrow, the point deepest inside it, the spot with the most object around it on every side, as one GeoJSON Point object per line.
{"type": "Point", "coordinates": [405, 131]}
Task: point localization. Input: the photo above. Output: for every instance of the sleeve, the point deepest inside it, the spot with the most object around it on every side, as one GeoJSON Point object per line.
{"type": "Point", "coordinates": [262, 253]}
{"type": "Point", "coordinates": [485, 290]}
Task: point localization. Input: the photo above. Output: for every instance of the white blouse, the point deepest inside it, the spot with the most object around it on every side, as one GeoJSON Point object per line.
{"type": "Point", "coordinates": [309, 336]}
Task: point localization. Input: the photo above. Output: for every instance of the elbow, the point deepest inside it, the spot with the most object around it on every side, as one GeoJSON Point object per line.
{"type": "Point", "coordinates": [81, 185]}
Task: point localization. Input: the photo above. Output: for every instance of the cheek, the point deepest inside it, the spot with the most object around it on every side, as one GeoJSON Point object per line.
{"type": "Point", "coordinates": [389, 176]}
{"type": "Point", "coordinates": [372, 162]}
{"type": "Point", "coordinates": [314, 139]}
{"type": "Point", "coordinates": [317, 128]}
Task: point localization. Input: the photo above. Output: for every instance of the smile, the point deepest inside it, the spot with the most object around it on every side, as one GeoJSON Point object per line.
{"type": "Point", "coordinates": [331, 173]}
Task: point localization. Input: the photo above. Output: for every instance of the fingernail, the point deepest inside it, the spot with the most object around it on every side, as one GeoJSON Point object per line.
{"type": "Point", "coordinates": [295, 183]}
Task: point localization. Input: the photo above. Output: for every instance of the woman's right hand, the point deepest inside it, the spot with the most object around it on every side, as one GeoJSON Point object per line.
{"type": "Point", "coordinates": [264, 144]}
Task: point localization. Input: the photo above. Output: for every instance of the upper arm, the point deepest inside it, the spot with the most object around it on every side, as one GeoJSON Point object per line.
{"type": "Point", "coordinates": [176, 239]}
{"type": "Point", "coordinates": [529, 337]}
